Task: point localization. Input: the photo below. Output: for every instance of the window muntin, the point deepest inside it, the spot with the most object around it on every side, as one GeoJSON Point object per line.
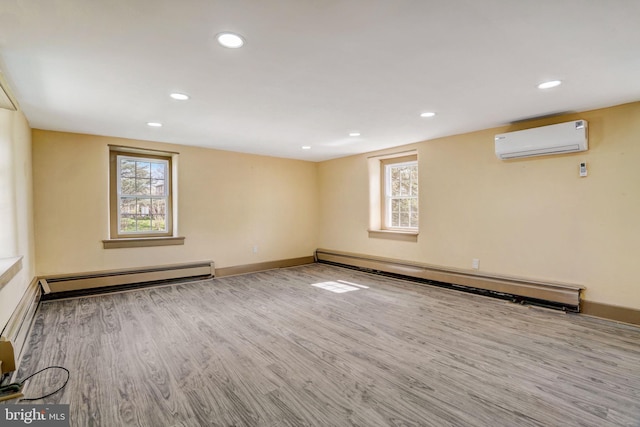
{"type": "Point", "coordinates": [401, 195]}
{"type": "Point", "coordinates": [141, 195]}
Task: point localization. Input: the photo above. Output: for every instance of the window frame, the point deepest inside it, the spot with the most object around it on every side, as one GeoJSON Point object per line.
{"type": "Point", "coordinates": [386, 198]}
{"type": "Point", "coordinates": [385, 205]}
{"type": "Point", "coordinates": [114, 193]}
{"type": "Point", "coordinates": [377, 226]}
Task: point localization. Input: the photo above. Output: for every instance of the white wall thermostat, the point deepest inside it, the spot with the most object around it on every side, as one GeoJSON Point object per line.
{"type": "Point", "coordinates": [583, 169]}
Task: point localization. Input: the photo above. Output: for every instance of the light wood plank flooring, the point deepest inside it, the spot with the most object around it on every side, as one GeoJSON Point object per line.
{"type": "Point", "coordinates": [269, 349]}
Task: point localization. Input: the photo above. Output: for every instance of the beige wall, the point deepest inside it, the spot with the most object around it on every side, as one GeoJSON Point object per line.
{"type": "Point", "coordinates": [16, 207]}
{"type": "Point", "coordinates": [227, 203]}
{"type": "Point", "coordinates": [533, 218]}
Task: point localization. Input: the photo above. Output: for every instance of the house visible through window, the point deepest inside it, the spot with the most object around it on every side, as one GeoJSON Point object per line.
{"type": "Point", "coordinates": [400, 194]}
{"type": "Point", "coordinates": [140, 195]}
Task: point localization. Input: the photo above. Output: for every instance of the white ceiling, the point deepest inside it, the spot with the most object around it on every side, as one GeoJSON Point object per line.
{"type": "Point", "coordinates": [312, 71]}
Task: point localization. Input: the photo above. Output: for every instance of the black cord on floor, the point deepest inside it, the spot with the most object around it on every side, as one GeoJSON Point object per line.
{"type": "Point", "coordinates": [53, 392]}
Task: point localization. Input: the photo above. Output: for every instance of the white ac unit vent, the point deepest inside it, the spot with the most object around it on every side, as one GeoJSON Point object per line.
{"type": "Point", "coordinates": [567, 137]}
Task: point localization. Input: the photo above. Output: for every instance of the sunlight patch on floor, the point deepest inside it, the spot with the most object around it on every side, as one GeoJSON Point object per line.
{"type": "Point", "coordinates": [339, 286]}
{"type": "Point", "coordinates": [353, 284]}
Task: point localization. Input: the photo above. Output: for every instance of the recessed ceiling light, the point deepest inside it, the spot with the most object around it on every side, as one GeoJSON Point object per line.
{"type": "Point", "coordinates": [230, 40]}
{"type": "Point", "coordinates": [306, 147]}
{"type": "Point", "coordinates": [154, 124]}
{"type": "Point", "coordinates": [427, 114]}
{"type": "Point", "coordinates": [179, 96]}
{"type": "Point", "coordinates": [549, 84]}
{"type": "Point", "coordinates": [354, 133]}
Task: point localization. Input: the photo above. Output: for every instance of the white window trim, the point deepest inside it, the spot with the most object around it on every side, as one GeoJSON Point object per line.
{"type": "Point", "coordinates": [132, 240]}
{"type": "Point", "coordinates": [376, 197]}
{"type": "Point", "coordinates": [9, 268]}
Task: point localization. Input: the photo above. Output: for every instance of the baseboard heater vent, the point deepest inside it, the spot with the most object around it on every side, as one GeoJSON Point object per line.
{"type": "Point", "coordinates": [64, 286]}
{"type": "Point", "coordinates": [554, 295]}
{"type": "Point", "coordinates": [19, 325]}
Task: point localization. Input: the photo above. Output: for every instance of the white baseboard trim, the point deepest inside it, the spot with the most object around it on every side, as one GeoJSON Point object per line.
{"type": "Point", "coordinates": [262, 266]}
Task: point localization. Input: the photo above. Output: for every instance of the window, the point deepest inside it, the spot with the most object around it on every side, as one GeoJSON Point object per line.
{"type": "Point", "coordinates": [401, 195]}
{"type": "Point", "coordinates": [141, 196]}
{"type": "Point", "coordinates": [393, 196]}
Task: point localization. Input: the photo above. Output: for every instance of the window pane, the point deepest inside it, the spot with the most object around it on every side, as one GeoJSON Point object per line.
{"type": "Point", "coordinates": [127, 168]}
{"type": "Point", "coordinates": [159, 207]}
{"type": "Point", "coordinates": [404, 220]}
{"type": "Point", "coordinates": [143, 186]}
{"type": "Point", "coordinates": [127, 214]}
{"type": "Point", "coordinates": [395, 174]}
{"type": "Point", "coordinates": [128, 186]}
{"type": "Point", "coordinates": [143, 169]}
{"type": "Point", "coordinates": [127, 223]}
{"type": "Point", "coordinates": [414, 212]}
{"type": "Point", "coordinates": [143, 217]}
{"type": "Point", "coordinates": [158, 171]}
{"type": "Point", "coordinates": [158, 223]}
{"type": "Point", "coordinates": [395, 219]}
{"type": "Point", "coordinates": [143, 223]}
{"type": "Point", "coordinates": [157, 187]}
{"type": "Point", "coordinates": [405, 187]}
{"type": "Point", "coordinates": [395, 205]}
{"type": "Point", "coordinates": [405, 173]}
{"type": "Point", "coordinates": [127, 206]}
{"type": "Point", "coordinates": [143, 207]}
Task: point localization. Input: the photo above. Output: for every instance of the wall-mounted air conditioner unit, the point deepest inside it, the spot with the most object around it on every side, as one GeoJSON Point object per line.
{"type": "Point", "coordinates": [567, 137]}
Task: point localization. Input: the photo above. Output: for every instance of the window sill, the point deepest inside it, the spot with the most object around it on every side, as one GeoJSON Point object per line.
{"type": "Point", "coordinates": [405, 236]}
{"type": "Point", "coordinates": [9, 267]}
{"type": "Point", "coordinates": [142, 242]}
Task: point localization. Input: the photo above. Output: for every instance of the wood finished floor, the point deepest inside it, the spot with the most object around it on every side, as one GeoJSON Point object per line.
{"type": "Point", "coordinates": [268, 349]}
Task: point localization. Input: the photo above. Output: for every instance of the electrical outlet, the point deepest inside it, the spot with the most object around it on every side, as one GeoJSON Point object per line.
{"type": "Point", "coordinates": [7, 356]}
{"type": "Point", "coordinates": [255, 249]}
{"type": "Point", "coordinates": [475, 264]}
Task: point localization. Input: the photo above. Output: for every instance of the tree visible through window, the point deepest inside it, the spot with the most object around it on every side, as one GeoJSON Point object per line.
{"type": "Point", "coordinates": [141, 205]}
{"type": "Point", "coordinates": [401, 195]}
{"type": "Point", "coordinates": [142, 194]}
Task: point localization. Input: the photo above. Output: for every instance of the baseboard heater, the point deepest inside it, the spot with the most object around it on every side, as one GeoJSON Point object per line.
{"type": "Point", "coordinates": [64, 286]}
{"type": "Point", "coordinates": [19, 325]}
{"type": "Point", "coordinates": [555, 295]}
